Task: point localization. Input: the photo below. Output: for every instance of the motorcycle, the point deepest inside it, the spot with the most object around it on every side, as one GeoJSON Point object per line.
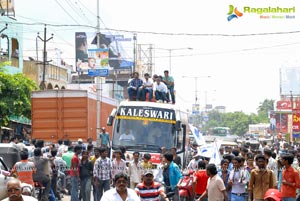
{"type": "Point", "coordinates": [186, 186]}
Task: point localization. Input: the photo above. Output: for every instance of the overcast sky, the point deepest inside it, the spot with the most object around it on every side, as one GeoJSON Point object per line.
{"type": "Point", "coordinates": [243, 56]}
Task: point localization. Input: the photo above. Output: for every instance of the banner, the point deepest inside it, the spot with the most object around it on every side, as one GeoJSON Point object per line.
{"type": "Point", "coordinates": [281, 122]}
{"type": "Point", "coordinates": [8, 6]}
{"type": "Point", "coordinates": [197, 135]}
{"type": "Point", "coordinates": [110, 55]}
{"type": "Point", "coordinates": [296, 123]}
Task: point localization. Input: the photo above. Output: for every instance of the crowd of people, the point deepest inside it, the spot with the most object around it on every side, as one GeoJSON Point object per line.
{"type": "Point", "coordinates": [89, 170]}
{"type": "Point", "coordinates": [270, 173]}
{"type": "Point", "coordinates": [161, 88]}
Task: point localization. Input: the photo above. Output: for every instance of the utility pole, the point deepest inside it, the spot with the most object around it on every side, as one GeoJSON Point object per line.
{"type": "Point", "coordinates": [45, 40]}
{"type": "Point", "coordinates": [134, 52]}
{"type": "Point", "coordinates": [98, 81]}
{"type": "Point", "coordinates": [292, 109]}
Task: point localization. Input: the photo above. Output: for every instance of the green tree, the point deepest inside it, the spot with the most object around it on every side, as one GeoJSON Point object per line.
{"type": "Point", "coordinates": [15, 96]}
{"type": "Point", "coordinates": [263, 110]}
{"type": "Point", "coordinates": [3, 64]}
{"type": "Point", "coordinates": [238, 122]}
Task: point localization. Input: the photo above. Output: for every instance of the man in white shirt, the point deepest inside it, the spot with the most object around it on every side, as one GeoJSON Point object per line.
{"type": "Point", "coordinates": [147, 87]}
{"type": "Point", "coordinates": [134, 170]}
{"type": "Point", "coordinates": [160, 90]}
{"type": "Point", "coordinates": [121, 192]}
{"type": "Point", "coordinates": [193, 164]}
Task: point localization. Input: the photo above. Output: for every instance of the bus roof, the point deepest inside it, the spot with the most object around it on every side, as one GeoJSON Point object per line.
{"type": "Point", "coordinates": [149, 104]}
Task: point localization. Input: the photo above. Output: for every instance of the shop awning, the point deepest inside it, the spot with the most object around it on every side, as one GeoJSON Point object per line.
{"type": "Point", "coordinates": [20, 119]}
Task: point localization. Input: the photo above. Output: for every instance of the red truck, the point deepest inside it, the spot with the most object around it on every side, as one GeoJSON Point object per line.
{"type": "Point", "coordinates": [67, 114]}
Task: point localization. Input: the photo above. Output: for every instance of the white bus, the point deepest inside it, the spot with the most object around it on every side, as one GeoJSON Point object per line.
{"type": "Point", "coordinates": [152, 125]}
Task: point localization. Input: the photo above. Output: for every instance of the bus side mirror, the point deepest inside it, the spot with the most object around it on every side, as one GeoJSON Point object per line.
{"type": "Point", "coordinates": [111, 117]}
{"type": "Point", "coordinates": [110, 120]}
{"type": "Point", "coordinates": [178, 126]}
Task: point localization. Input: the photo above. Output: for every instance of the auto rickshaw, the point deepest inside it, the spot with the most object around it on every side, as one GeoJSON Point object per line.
{"type": "Point", "coordinates": [9, 154]}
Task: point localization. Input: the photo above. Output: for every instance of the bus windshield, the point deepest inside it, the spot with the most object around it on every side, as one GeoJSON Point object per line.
{"type": "Point", "coordinates": [143, 135]}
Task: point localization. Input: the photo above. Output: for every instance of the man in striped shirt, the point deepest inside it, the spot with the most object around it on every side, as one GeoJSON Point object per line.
{"type": "Point", "coordinates": [149, 190]}
{"type": "Point", "coordinates": [102, 174]}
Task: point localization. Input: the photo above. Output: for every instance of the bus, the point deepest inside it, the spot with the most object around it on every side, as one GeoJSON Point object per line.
{"type": "Point", "coordinates": [220, 131]}
{"type": "Point", "coordinates": [151, 126]}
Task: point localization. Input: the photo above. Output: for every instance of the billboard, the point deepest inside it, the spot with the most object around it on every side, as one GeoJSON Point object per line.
{"type": "Point", "coordinates": [296, 124]}
{"type": "Point", "coordinates": [109, 55]}
{"type": "Point", "coordinates": [289, 81]}
{"type": "Point", "coordinates": [8, 6]}
{"type": "Point", "coordinates": [281, 122]}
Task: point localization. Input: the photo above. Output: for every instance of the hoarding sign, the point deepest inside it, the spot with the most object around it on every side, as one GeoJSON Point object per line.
{"type": "Point", "coordinates": [289, 79]}
{"type": "Point", "coordinates": [281, 122]}
{"type": "Point", "coordinates": [8, 6]}
{"type": "Point", "coordinates": [110, 54]}
{"type": "Point", "coordinates": [98, 72]}
{"type": "Point", "coordinates": [296, 121]}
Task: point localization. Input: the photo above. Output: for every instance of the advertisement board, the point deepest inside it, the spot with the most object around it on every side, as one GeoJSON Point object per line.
{"type": "Point", "coordinates": [281, 122]}
{"type": "Point", "coordinates": [296, 123]}
{"type": "Point", "coordinates": [8, 6]}
{"type": "Point", "coordinates": [289, 79]}
{"type": "Point", "coordinates": [109, 56]}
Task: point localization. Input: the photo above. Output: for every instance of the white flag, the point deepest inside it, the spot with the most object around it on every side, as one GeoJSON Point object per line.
{"type": "Point", "coordinates": [197, 135]}
{"type": "Point", "coordinates": [215, 158]}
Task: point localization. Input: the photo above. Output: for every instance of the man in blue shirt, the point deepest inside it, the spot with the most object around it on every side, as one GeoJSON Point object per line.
{"type": "Point", "coordinates": [172, 175]}
{"type": "Point", "coordinates": [135, 87]}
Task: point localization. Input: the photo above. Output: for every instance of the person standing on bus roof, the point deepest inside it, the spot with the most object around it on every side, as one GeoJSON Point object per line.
{"type": "Point", "coordinates": [169, 81]}
{"type": "Point", "coordinates": [134, 87]}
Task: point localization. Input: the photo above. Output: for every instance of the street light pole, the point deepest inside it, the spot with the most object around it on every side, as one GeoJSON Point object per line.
{"type": "Point", "coordinates": [170, 55]}
{"type": "Point", "coordinates": [196, 84]}
{"type": "Point", "coordinates": [170, 60]}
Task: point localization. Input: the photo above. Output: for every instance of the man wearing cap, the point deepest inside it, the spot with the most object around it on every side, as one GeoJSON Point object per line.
{"type": "Point", "coordinates": [273, 195]}
{"type": "Point", "coordinates": [80, 142]}
{"type": "Point", "coordinates": [149, 189]}
{"type": "Point", "coordinates": [104, 138]}
{"type": "Point", "coordinates": [193, 164]}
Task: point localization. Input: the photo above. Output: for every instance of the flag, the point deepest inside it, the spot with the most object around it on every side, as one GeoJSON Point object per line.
{"type": "Point", "coordinates": [215, 158]}
{"type": "Point", "coordinates": [197, 135]}
{"type": "Point", "coordinates": [205, 150]}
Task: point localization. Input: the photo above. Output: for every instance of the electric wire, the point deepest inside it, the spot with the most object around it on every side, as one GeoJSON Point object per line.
{"type": "Point", "coordinates": [161, 33]}
{"type": "Point", "coordinates": [66, 11]}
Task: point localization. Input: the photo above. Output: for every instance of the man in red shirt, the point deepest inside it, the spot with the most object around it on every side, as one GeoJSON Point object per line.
{"type": "Point", "coordinates": [290, 178]}
{"type": "Point", "coordinates": [200, 180]}
{"type": "Point", "coordinates": [74, 173]}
